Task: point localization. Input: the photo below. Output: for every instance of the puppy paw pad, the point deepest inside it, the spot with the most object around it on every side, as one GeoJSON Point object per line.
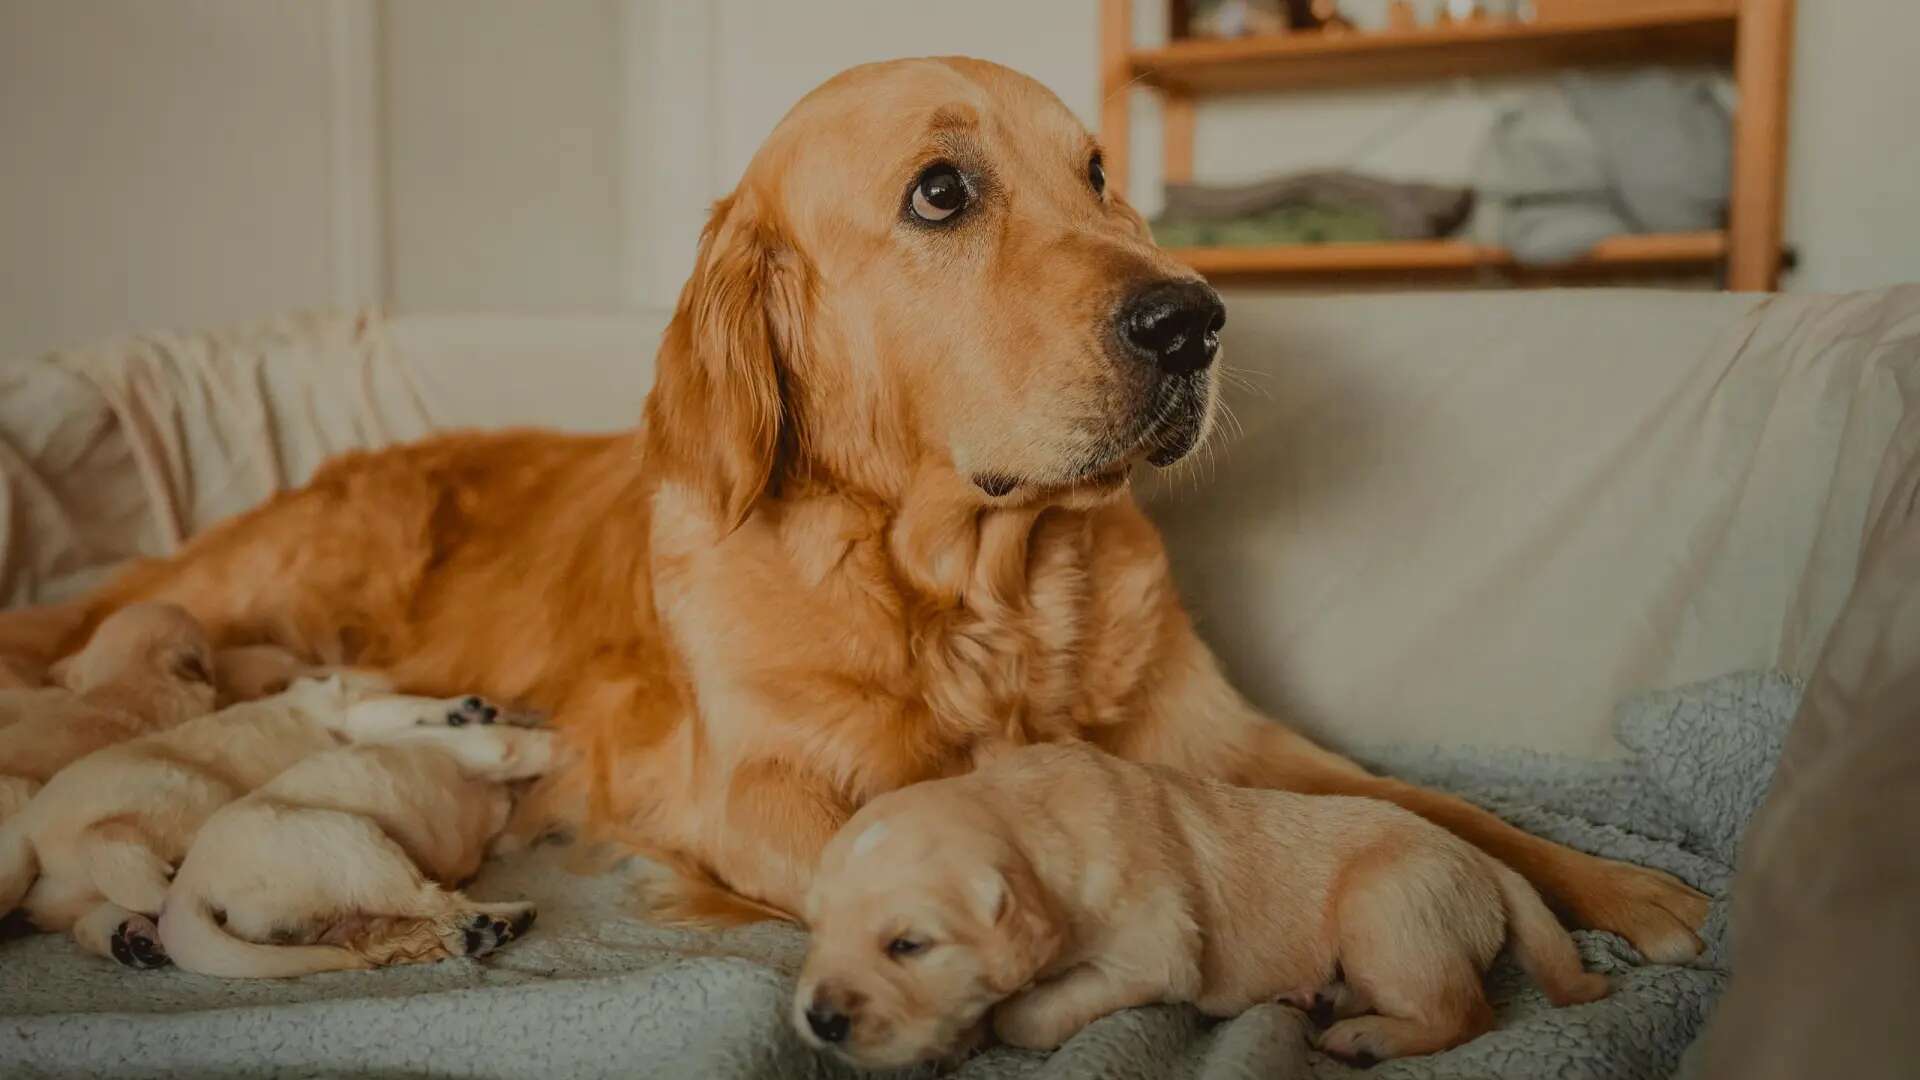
{"type": "Point", "coordinates": [135, 945]}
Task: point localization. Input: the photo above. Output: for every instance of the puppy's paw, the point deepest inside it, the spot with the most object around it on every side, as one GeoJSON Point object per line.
{"type": "Point", "coordinates": [1317, 1004]}
{"type": "Point", "coordinates": [136, 944]}
{"type": "Point", "coordinates": [1352, 1041]}
{"type": "Point", "coordinates": [488, 930]}
{"type": "Point", "coordinates": [1369, 1040]}
{"type": "Point", "coordinates": [472, 710]}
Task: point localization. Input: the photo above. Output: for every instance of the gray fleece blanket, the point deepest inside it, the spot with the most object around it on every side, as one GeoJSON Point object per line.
{"type": "Point", "coordinates": [594, 991]}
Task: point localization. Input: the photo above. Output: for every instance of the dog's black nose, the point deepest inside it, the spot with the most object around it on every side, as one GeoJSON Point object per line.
{"type": "Point", "coordinates": [828, 1023]}
{"type": "Point", "coordinates": [1175, 325]}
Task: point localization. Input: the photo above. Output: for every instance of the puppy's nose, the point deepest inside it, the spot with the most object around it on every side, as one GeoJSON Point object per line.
{"type": "Point", "coordinates": [828, 1023]}
{"type": "Point", "coordinates": [1174, 325]}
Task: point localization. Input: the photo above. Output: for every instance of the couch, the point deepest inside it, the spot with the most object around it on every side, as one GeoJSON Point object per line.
{"type": "Point", "coordinates": [1471, 521]}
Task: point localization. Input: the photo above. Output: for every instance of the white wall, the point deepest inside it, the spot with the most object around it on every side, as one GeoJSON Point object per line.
{"type": "Point", "coordinates": [1853, 193]}
{"type": "Point", "coordinates": [503, 138]}
{"type": "Point", "coordinates": [770, 53]}
{"type": "Point", "coordinates": [169, 164]}
{"type": "Point", "coordinates": [184, 162]}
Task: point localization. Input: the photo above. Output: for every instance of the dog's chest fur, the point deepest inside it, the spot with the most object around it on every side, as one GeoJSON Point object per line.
{"type": "Point", "coordinates": [889, 648]}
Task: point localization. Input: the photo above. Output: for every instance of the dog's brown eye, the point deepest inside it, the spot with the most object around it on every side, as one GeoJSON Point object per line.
{"type": "Point", "coordinates": [938, 194]}
{"type": "Point", "coordinates": [1097, 175]}
{"type": "Point", "coordinates": [900, 947]}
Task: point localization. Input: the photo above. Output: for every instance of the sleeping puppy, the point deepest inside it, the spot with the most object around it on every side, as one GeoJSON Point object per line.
{"type": "Point", "coordinates": [147, 668]}
{"type": "Point", "coordinates": [93, 851]}
{"type": "Point", "coordinates": [346, 860]}
{"type": "Point", "coordinates": [251, 672]}
{"type": "Point", "coordinates": [1058, 884]}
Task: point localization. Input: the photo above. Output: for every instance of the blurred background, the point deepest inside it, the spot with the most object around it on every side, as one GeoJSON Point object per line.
{"type": "Point", "coordinates": [192, 162]}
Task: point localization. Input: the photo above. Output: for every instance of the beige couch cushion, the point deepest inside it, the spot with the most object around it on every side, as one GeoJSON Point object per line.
{"type": "Point", "coordinates": [1826, 919]}
{"type": "Point", "coordinates": [1463, 518]}
{"type": "Point", "coordinates": [128, 447]}
{"type": "Point", "coordinates": [1486, 518]}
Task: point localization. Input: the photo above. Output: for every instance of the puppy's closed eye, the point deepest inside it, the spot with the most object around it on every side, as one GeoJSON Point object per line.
{"type": "Point", "coordinates": [901, 947]}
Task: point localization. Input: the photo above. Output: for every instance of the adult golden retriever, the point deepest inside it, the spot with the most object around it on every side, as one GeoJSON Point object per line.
{"type": "Point", "coordinates": [876, 519]}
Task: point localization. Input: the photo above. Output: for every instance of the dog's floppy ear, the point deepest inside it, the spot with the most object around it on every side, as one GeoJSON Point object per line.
{"type": "Point", "coordinates": [716, 416]}
{"type": "Point", "coordinates": [1025, 928]}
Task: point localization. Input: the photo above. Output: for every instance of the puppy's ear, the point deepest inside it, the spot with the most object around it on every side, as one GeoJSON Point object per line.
{"type": "Point", "coordinates": [1026, 928]}
{"type": "Point", "coordinates": [716, 416]}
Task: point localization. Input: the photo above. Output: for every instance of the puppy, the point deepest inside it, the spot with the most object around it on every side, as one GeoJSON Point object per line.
{"type": "Point", "coordinates": [250, 672]}
{"type": "Point", "coordinates": [93, 852]}
{"type": "Point", "coordinates": [147, 668]}
{"type": "Point", "coordinates": [1058, 884]}
{"type": "Point", "coordinates": [346, 860]}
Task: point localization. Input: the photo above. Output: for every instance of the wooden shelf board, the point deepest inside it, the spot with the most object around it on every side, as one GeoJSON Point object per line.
{"type": "Point", "coordinates": [1648, 252]}
{"type": "Point", "coordinates": [1686, 30]}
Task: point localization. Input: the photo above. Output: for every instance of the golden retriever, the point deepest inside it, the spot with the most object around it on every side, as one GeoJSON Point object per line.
{"type": "Point", "coordinates": [876, 517]}
{"type": "Point", "coordinates": [1059, 883]}
{"type": "Point", "coordinates": [147, 668]}
{"type": "Point", "coordinates": [339, 863]}
{"type": "Point", "coordinates": [94, 850]}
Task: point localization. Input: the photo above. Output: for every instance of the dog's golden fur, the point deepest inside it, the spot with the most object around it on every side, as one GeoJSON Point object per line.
{"type": "Point", "coordinates": [794, 588]}
{"type": "Point", "coordinates": [1059, 884]}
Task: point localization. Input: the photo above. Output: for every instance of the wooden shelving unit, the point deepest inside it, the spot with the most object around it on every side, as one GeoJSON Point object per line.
{"type": "Point", "coordinates": [1754, 36]}
{"type": "Point", "coordinates": [1675, 251]}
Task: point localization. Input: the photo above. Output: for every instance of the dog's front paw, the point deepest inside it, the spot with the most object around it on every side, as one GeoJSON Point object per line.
{"type": "Point", "coordinates": [136, 944]}
{"type": "Point", "coordinates": [1654, 910]}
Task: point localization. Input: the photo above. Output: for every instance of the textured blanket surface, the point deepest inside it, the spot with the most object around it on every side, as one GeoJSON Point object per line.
{"type": "Point", "coordinates": [594, 991]}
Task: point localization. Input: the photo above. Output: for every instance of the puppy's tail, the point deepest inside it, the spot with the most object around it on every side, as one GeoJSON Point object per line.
{"type": "Point", "coordinates": [197, 942]}
{"type": "Point", "coordinates": [18, 865]}
{"type": "Point", "coordinates": [686, 893]}
{"type": "Point", "coordinates": [1544, 948]}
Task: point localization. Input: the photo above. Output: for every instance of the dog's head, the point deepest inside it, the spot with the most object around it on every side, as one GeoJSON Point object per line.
{"type": "Point", "coordinates": [922, 918]}
{"type": "Point", "coordinates": [152, 659]}
{"type": "Point", "coordinates": [923, 267]}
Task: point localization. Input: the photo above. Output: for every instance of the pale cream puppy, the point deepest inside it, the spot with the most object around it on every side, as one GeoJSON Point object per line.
{"type": "Point", "coordinates": [348, 859]}
{"type": "Point", "coordinates": [93, 851]}
{"type": "Point", "coordinates": [146, 668]}
{"type": "Point", "coordinates": [1057, 884]}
